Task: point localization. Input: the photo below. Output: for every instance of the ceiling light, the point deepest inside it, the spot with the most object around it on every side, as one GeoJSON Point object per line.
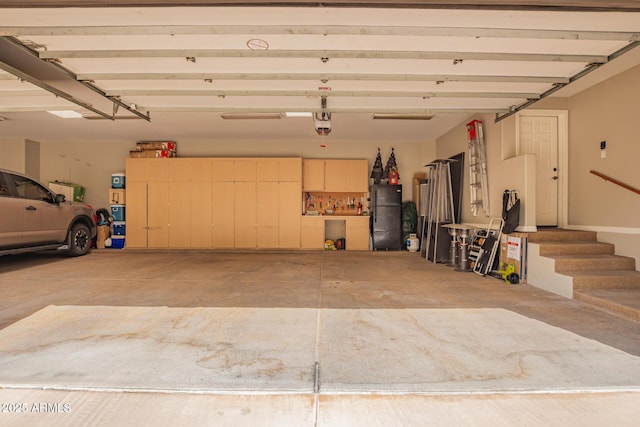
{"type": "Point", "coordinates": [298, 114]}
{"type": "Point", "coordinates": [66, 114]}
{"type": "Point", "coordinates": [250, 116]}
{"type": "Point", "coordinates": [379, 116]}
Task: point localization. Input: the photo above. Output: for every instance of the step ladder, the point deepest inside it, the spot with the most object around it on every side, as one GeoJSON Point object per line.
{"type": "Point", "coordinates": [477, 168]}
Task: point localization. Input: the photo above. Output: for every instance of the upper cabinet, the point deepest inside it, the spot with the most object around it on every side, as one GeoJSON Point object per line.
{"type": "Point", "coordinates": [312, 175]}
{"type": "Point", "coordinates": [346, 176]}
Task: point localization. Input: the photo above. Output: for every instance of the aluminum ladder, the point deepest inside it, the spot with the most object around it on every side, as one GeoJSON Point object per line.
{"type": "Point", "coordinates": [477, 168]}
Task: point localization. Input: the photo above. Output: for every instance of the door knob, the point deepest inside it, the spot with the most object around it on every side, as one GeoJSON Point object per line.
{"type": "Point", "coordinates": [555, 178]}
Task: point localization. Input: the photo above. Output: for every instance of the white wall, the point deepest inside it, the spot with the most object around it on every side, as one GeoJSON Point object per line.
{"type": "Point", "coordinates": [12, 155]}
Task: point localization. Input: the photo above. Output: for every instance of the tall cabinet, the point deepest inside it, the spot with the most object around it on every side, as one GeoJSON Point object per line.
{"type": "Point", "coordinates": [215, 203]}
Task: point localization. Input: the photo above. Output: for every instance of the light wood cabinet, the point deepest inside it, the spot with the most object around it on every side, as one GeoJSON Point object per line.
{"type": "Point", "coordinates": [357, 233]}
{"type": "Point", "coordinates": [245, 215]}
{"type": "Point", "coordinates": [290, 169]}
{"type": "Point", "coordinates": [245, 170]}
{"type": "Point", "coordinates": [267, 214]}
{"type": "Point", "coordinates": [335, 175]}
{"type": "Point", "coordinates": [200, 211]}
{"type": "Point", "coordinates": [157, 214]}
{"type": "Point", "coordinates": [179, 214]}
{"type": "Point", "coordinates": [267, 170]}
{"type": "Point", "coordinates": [289, 211]}
{"type": "Point", "coordinates": [313, 175]}
{"type": "Point", "coordinates": [214, 203]}
{"type": "Point", "coordinates": [357, 176]}
{"type": "Point", "coordinates": [222, 214]}
{"type": "Point", "coordinates": [222, 170]}
{"type": "Point", "coordinates": [136, 214]}
{"type": "Point", "coordinates": [312, 232]}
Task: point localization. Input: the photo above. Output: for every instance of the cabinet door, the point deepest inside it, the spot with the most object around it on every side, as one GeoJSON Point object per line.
{"type": "Point", "coordinates": [267, 170]}
{"type": "Point", "coordinates": [267, 214]}
{"type": "Point", "coordinates": [200, 205]}
{"type": "Point", "coordinates": [335, 175]}
{"type": "Point", "coordinates": [357, 237]}
{"type": "Point", "coordinates": [179, 169]}
{"type": "Point", "coordinates": [157, 170]}
{"type": "Point", "coordinates": [179, 217]}
{"type": "Point", "coordinates": [245, 215]}
{"type": "Point", "coordinates": [222, 214]}
{"type": "Point", "coordinates": [157, 214]}
{"type": "Point", "coordinates": [136, 214]}
{"type": "Point", "coordinates": [136, 171]}
{"type": "Point", "coordinates": [312, 233]}
{"type": "Point", "coordinates": [200, 170]}
{"type": "Point", "coordinates": [222, 170]}
{"type": "Point", "coordinates": [289, 214]}
{"type": "Point", "coordinates": [357, 176]}
{"type": "Point", "coordinates": [290, 169]}
{"type": "Point", "coordinates": [313, 175]}
{"type": "Point", "coordinates": [245, 170]}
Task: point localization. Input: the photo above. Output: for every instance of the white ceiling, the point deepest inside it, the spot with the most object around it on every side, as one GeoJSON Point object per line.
{"type": "Point", "coordinates": [184, 66]}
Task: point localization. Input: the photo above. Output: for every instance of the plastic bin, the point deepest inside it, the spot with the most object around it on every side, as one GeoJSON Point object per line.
{"type": "Point", "coordinates": [118, 212]}
{"type": "Point", "coordinates": [117, 242]}
{"type": "Point", "coordinates": [118, 180]}
{"type": "Point", "coordinates": [119, 228]}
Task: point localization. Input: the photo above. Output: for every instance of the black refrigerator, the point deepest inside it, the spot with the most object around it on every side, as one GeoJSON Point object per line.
{"type": "Point", "coordinates": [386, 218]}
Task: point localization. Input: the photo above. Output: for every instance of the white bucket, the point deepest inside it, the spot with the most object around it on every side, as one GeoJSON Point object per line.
{"type": "Point", "coordinates": [412, 243]}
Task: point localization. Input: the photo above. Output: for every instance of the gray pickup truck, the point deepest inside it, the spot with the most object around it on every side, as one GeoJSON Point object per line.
{"type": "Point", "coordinates": [33, 218]}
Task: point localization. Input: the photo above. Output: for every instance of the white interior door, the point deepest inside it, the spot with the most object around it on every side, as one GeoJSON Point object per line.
{"type": "Point", "coordinates": [539, 136]}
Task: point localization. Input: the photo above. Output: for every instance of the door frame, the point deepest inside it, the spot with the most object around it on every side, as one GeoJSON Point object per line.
{"type": "Point", "coordinates": [563, 156]}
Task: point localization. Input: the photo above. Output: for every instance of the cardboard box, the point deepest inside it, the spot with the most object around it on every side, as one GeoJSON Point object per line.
{"type": "Point", "coordinates": [156, 145]}
{"type": "Point", "coordinates": [117, 196]}
{"type": "Point", "coordinates": [158, 154]}
{"type": "Point", "coordinates": [72, 192]}
{"type": "Point", "coordinates": [513, 250]}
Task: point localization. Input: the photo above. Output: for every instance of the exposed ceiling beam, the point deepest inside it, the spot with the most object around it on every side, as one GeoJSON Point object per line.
{"type": "Point", "coordinates": [325, 30]}
{"type": "Point", "coordinates": [322, 77]}
{"type": "Point", "coordinates": [27, 92]}
{"type": "Point", "coordinates": [372, 110]}
{"type": "Point", "coordinates": [328, 93]}
{"type": "Point", "coordinates": [23, 63]}
{"type": "Point", "coordinates": [573, 78]}
{"type": "Point", "coordinates": [329, 54]}
{"type": "Point", "coordinates": [585, 5]}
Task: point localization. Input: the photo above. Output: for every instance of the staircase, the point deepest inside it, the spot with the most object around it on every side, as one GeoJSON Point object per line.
{"type": "Point", "coordinates": [574, 264]}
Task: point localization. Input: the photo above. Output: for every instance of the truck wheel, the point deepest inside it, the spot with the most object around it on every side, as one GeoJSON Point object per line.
{"type": "Point", "coordinates": [79, 240]}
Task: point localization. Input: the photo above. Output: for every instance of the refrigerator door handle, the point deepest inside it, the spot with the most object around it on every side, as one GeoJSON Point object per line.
{"type": "Point", "coordinates": [375, 204]}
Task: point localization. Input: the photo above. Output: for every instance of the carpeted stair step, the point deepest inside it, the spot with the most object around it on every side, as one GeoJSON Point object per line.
{"type": "Point", "coordinates": [561, 235]}
{"type": "Point", "coordinates": [624, 302]}
{"type": "Point", "coordinates": [604, 279]}
{"type": "Point", "coordinates": [576, 248]}
{"type": "Point", "coordinates": [592, 262]}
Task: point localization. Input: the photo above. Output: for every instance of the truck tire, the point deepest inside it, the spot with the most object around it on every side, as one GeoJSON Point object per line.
{"type": "Point", "coordinates": [79, 240]}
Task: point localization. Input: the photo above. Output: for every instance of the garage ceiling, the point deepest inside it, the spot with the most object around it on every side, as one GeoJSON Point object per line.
{"type": "Point", "coordinates": [198, 72]}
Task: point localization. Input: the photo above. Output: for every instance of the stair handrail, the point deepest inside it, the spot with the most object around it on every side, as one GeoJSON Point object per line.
{"type": "Point", "coordinates": [615, 181]}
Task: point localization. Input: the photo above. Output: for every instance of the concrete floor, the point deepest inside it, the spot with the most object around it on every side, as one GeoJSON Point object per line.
{"type": "Point", "coordinates": [343, 280]}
